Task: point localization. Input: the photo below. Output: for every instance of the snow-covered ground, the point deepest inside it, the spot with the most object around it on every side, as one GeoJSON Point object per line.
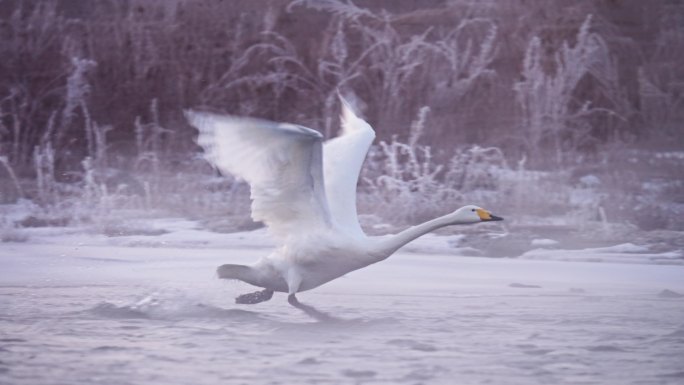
{"type": "Point", "coordinates": [78, 308]}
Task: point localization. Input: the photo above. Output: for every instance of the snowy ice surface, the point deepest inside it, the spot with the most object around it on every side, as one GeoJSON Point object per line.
{"type": "Point", "coordinates": [543, 242]}
{"type": "Point", "coordinates": [623, 253]}
{"type": "Point", "coordinates": [84, 309]}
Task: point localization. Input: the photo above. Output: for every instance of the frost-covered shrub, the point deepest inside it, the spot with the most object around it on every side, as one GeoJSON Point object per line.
{"type": "Point", "coordinates": [404, 183]}
{"type": "Point", "coordinates": [401, 183]}
{"type": "Point", "coordinates": [67, 93]}
{"type": "Point", "coordinates": [18, 193]}
{"type": "Point", "coordinates": [44, 161]}
{"type": "Point", "coordinates": [660, 89]}
{"type": "Point", "coordinates": [476, 169]}
{"type": "Point", "coordinates": [30, 78]}
{"type": "Point", "coordinates": [11, 216]}
{"type": "Point", "coordinates": [554, 122]}
{"type": "Point", "coordinates": [9, 233]}
{"type": "Point", "coordinates": [398, 72]}
{"type": "Point", "coordinates": [78, 88]}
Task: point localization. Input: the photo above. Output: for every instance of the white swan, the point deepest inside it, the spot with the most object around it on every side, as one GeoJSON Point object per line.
{"type": "Point", "coordinates": [304, 190]}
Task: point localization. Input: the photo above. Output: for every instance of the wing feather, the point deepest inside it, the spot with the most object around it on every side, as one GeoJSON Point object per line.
{"type": "Point", "coordinates": [281, 162]}
{"type": "Point", "coordinates": [343, 158]}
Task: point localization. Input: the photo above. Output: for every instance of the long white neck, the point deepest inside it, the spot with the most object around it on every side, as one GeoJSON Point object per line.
{"type": "Point", "coordinates": [388, 245]}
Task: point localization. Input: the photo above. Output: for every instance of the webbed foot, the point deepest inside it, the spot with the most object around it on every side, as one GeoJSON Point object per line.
{"type": "Point", "coordinates": [254, 298]}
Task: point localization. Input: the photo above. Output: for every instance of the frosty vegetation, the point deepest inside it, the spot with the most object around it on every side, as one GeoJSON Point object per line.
{"type": "Point", "coordinates": [567, 116]}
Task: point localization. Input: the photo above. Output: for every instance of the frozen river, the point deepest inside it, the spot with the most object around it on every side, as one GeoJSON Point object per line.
{"type": "Point", "coordinates": [157, 315]}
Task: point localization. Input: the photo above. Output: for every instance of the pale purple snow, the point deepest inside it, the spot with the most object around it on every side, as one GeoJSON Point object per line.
{"type": "Point", "coordinates": [83, 309]}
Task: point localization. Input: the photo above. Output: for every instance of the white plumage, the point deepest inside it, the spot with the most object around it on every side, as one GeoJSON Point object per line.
{"type": "Point", "coordinates": [342, 161]}
{"type": "Point", "coordinates": [281, 163]}
{"type": "Point", "coordinates": [304, 190]}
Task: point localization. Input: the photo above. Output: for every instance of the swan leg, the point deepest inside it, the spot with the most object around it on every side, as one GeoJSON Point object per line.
{"type": "Point", "coordinates": [308, 309]}
{"type": "Point", "coordinates": [294, 280]}
{"type": "Point", "coordinates": [254, 298]}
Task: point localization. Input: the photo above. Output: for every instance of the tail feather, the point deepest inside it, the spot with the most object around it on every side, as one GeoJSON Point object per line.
{"type": "Point", "coordinates": [230, 271]}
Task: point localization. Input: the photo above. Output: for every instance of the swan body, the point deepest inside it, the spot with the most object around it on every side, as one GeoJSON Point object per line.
{"type": "Point", "coordinates": [304, 190]}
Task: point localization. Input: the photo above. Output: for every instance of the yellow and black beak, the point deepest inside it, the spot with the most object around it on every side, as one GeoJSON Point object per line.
{"type": "Point", "coordinates": [486, 216]}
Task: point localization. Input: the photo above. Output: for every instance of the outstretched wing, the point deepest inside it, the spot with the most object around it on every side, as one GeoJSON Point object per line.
{"type": "Point", "coordinates": [343, 158]}
{"type": "Point", "coordinates": [281, 162]}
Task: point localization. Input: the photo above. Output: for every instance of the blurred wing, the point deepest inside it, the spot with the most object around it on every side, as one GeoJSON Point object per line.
{"type": "Point", "coordinates": [343, 157]}
{"type": "Point", "coordinates": [281, 162]}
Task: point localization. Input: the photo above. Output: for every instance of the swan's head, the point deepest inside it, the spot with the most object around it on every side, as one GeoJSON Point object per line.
{"type": "Point", "coordinates": [473, 214]}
